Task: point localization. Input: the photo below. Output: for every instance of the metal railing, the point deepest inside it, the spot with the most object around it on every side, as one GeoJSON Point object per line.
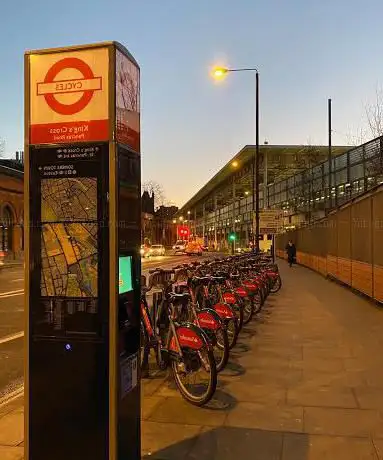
{"type": "Point", "coordinates": [308, 192]}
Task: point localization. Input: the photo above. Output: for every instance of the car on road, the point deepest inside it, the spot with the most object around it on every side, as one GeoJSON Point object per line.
{"type": "Point", "coordinates": [193, 248]}
{"type": "Point", "coordinates": [180, 246]}
{"type": "Point", "coordinates": [157, 250]}
{"type": "Point", "coordinates": [145, 251]}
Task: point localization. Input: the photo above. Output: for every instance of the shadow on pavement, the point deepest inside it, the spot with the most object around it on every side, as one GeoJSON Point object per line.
{"type": "Point", "coordinates": [232, 443]}
{"type": "Point", "coordinates": [221, 401]}
{"type": "Point", "coordinates": [233, 369]}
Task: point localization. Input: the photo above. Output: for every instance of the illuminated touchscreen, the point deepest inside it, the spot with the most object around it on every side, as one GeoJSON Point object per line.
{"type": "Point", "coordinates": [125, 282]}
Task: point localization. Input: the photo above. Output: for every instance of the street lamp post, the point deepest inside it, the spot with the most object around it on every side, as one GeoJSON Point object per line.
{"type": "Point", "coordinates": [220, 72]}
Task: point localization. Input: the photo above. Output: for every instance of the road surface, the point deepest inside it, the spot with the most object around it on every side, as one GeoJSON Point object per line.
{"type": "Point", "coordinates": [12, 321]}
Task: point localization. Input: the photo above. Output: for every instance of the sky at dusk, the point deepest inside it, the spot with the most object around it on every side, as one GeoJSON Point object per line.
{"type": "Point", "coordinates": [306, 51]}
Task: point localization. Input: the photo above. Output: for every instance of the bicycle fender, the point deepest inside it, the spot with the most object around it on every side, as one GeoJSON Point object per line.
{"type": "Point", "coordinates": [229, 297]}
{"type": "Point", "coordinates": [189, 336]}
{"type": "Point", "coordinates": [209, 319]}
{"type": "Point", "coordinates": [251, 286]}
{"type": "Point", "coordinates": [224, 311]}
{"type": "Point", "coordinates": [241, 291]}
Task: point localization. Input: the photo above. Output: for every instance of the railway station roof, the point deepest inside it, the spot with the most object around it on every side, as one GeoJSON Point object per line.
{"type": "Point", "coordinates": [244, 157]}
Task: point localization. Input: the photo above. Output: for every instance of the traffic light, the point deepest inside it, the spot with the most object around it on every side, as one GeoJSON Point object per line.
{"type": "Point", "coordinates": [183, 232]}
{"type": "Point", "coordinates": [232, 236]}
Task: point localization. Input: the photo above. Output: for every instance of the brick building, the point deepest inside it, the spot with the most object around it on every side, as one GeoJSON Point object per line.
{"type": "Point", "coordinates": [11, 207]}
{"type": "Point", "coordinates": [147, 217]}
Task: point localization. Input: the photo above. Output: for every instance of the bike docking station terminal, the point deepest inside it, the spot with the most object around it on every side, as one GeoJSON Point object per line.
{"type": "Point", "coordinates": [82, 264]}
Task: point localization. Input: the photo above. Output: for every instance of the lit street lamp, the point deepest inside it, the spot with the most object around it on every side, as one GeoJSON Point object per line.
{"type": "Point", "coordinates": [219, 73]}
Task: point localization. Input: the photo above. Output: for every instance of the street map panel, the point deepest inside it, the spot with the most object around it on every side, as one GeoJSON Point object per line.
{"type": "Point", "coordinates": [69, 259]}
{"type": "Point", "coordinates": [69, 199]}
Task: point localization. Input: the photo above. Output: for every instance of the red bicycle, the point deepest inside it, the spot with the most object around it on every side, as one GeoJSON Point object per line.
{"type": "Point", "coordinates": [183, 347]}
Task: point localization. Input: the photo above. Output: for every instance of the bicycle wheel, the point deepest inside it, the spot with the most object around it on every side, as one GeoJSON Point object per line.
{"type": "Point", "coordinates": [214, 327]}
{"type": "Point", "coordinates": [257, 301]}
{"type": "Point", "coordinates": [221, 350]}
{"type": "Point", "coordinates": [197, 391]}
{"type": "Point", "coordinates": [144, 349]}
{"type": "Point", "coordinates": [238, 311]}
{"type": "Point", "coordinates": [276, 285]}
{"type": "Point", "coordinates": [232, 330]}
{"type": "Point", "coordinates": [248, 309]}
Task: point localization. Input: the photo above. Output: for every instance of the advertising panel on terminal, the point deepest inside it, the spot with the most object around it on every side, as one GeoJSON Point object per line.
{"type": "Point", "coordinates": [127, 102]}
{"type": "Point", "coordinates": [69, 96]}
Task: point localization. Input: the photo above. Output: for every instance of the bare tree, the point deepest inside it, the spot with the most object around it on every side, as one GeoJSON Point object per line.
{"type": "Point", "coordinates": [2, 147]}
{"type": "Point", "coordinates": [308, 156]}
{"type": "Point", "coordinates": [153, 187]}
{"type": "Point", "coordinates": [360, 137]}
{"type": "Point", "coordinates": [374, 114]}
{"type": "Point", "coordinates": [373, 119]}
{"type": "Point", "coordinates": [312, 155]}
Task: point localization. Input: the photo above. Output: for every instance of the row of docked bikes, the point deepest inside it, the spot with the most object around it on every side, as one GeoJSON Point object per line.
{"type": "Point", "coordinates": [196, 316]}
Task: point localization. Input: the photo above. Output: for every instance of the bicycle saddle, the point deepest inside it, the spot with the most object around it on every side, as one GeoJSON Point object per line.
{"type": "Point", "coordinates": [177, 299]}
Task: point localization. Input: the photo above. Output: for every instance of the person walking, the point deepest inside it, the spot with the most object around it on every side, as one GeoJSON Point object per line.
{"type": "Point", "coordinates": [291, 253]}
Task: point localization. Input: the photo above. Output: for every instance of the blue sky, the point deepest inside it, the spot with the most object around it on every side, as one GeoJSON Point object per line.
{"type": "Point", "coordinates": [306, 52]}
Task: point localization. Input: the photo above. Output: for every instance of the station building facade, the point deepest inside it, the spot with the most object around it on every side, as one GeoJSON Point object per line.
{"type": "Point", "coordinates": [225, 204]}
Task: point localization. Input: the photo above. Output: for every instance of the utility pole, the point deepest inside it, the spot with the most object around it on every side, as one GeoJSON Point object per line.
{"type": "Point", "coordinates": [329, 153]}
{"type": "Point", "coordinates": [256, 172]}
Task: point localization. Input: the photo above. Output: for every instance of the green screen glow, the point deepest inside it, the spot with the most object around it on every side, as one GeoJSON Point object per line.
{"type": "Point", "coordinates": [125, 274]}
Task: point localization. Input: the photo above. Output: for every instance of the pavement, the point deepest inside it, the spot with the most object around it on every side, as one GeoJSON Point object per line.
{"type": "Point", "coordinates": [305, 382]}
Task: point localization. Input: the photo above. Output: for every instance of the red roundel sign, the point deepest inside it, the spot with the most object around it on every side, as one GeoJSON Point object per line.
{"type": "Point", "coordinates": [52, 86]}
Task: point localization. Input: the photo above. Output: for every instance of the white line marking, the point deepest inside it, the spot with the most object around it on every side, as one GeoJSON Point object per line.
{"type": "Point", "coordinates": [11, 293]}
{"type": "Point", "coordinates": [9, 338]}
{"type": "Point", "coordinates": [8, 398]}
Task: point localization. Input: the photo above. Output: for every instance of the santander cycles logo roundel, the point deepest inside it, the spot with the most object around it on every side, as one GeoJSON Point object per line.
{"type": "Point", "coordinates": [85, 86]}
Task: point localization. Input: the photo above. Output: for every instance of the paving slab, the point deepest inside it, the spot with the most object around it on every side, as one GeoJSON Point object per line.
{"type": "Point", "coordinates": [322, 396]}
{"type": "Point", "coordinates": [228, 443]}
{"type": "Point", "coordinates": [342, 422]}
{"type": "Point", "coordinates": [12, 429]}
{"type": "Point", "coordinates": [175, 410]}
{"type": "Point", "coordinates": [170, 441]}
{"type": "Point", "coordinates": [266, 417]}
{"type": "Point", "coordinates": [369, 397]}
{"type": "Point", "coordinates": [301, 446]}
{"type": "Point", "coordinates": [11, 453]}
{"type": "Point", "coordinates": [378, 444]}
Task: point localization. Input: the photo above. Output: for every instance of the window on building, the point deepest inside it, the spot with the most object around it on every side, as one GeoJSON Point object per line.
{"type": "Point", "coordinates": [6, 229]}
